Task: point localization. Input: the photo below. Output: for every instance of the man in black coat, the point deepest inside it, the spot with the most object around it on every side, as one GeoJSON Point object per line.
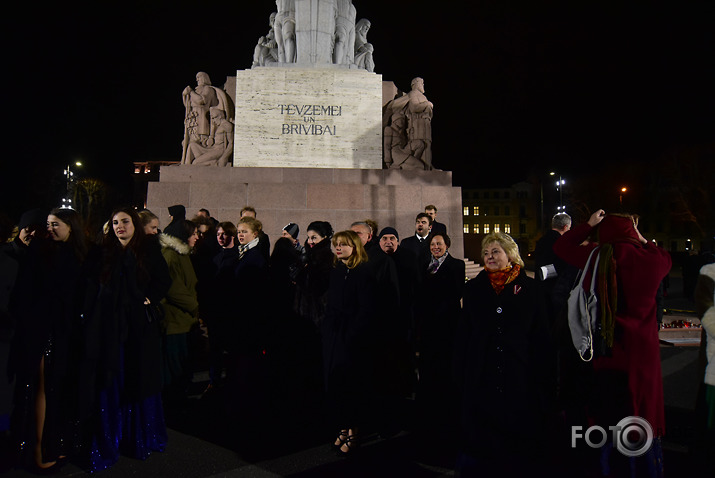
{"type": "Point", "coordinates": [219, 299]}
{"type": "Point", "coordinates": [395, 352]}
{"type": "Point", "coordinates": [419, 243]}
{"type": "Point", "coordinates": [437, 227]}
{"type": "Point", "coordinates": [549, 267]}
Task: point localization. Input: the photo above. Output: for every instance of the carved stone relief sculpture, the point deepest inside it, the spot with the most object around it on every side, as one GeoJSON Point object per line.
{"type": "Point", "coordinates": [208, 115]}
{"type": "Point", "coordinates": [266, 50]}
{"type": "Point", "coordinates": [284, 29]}
{"type": "Point", "coordinates": [407, 130]}
{"type": "Point", "coordinates": [343, 51]}
{"type": "Point", "coordinates": [363, 49]}
{"type": "Point", "coordinates": [315, 32]}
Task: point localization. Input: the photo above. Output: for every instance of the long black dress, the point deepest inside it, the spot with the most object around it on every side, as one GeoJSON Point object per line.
{"type": "Point", "coordinates": [346, 333]}
{"type": "Point", "coordinates": [46, 307]}
{"type": "Point", "coordinates": [121, 383]}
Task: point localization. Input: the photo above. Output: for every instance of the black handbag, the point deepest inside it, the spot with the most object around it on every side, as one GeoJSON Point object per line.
{"type": "Point", "coordinates": [154, 312]}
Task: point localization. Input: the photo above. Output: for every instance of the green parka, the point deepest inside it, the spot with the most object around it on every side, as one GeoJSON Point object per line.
{"type": "Point", "coordinates": [180, 304]}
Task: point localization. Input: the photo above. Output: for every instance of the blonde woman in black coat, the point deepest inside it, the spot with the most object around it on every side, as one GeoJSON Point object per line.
{"type": "Point", "coordinates": [500, 363]}
{"type": "Point", "coordinates": [346, 339]}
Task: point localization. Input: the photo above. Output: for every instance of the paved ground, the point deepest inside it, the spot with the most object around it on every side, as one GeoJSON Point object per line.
{"type": "Point", "coordinates": [291, 440]}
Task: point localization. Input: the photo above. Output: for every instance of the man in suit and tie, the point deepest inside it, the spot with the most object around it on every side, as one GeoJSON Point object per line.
{"type": "Point", "coordinates": [418, 243]}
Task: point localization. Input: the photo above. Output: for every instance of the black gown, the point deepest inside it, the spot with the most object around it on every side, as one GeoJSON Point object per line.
{"type": "Point", "coordinates": [46, 307]}
{"type": "Point", "coordinates": [120, 397]}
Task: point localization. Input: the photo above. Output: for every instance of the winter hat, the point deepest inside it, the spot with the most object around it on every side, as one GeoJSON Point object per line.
{"type": "Point", "coordinates": [389, 230]}
{"type": "Point", "coordinates": [33, 217]}
{"type": "Point", "coordinates": [177, 212]}
{"type": "Point", "coordinates": [292, 229]}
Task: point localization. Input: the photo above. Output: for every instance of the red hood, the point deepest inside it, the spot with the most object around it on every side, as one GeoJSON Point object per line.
{"type": "Point", "coordinates": [617, 229]}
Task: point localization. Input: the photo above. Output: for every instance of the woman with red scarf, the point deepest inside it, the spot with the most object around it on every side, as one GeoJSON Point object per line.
{"type": "Point", "coordinates": [501, 364]}
{"type": "Point", "coordinates": [627, 375]}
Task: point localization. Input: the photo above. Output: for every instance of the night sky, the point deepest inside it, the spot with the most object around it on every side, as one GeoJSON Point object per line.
{"type": "Point", "coordinates": [519, 88]}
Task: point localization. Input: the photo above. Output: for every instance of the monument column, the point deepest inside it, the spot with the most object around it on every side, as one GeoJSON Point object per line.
{"type": "Point", "coordinates": [315, 29]}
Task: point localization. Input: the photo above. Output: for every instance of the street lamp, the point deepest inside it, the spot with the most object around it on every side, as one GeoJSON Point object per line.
{"type": "Point", "coordinates": [620, 196]}
{"type": "Point", "coordinates": [69, 180]}
{"type": "Point", "coordinates": [559, 187]}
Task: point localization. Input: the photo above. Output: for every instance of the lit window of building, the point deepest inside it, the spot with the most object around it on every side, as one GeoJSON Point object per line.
{"type": "Point", "coordinates": [465, 211]}
{"type": "Point", "coordinates": [476, 210]}
{"type": "Point", "coordinates": [465, 229]}
{"type": "Point", "coordinates": [486, 228]}
{"type": "Point", "coordinates": [475, 229]}
{"type": "Point", "coordinates": [507, 228]}
{"type": "Point", "coordinates": [496, 227]}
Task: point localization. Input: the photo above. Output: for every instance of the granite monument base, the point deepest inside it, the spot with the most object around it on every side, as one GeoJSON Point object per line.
{"type": "Point", "coordinates": [302, 195]}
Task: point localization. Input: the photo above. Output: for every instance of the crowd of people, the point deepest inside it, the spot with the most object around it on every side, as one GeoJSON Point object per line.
{"type": "Point", "coordinates": [102, 332]}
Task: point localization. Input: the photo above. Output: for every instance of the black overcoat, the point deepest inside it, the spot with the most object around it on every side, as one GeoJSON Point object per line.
{"type": "Point", "coordinates": [346, 330]}
{"type": "Point", "coordinates": [500, 364]}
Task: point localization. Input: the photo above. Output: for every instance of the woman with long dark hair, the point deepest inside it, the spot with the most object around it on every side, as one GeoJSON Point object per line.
{"type": "Point", "coordinates": [121, 374]}
{"type": "Point", "coordinates": [46, 307]}
{"type": "Point", "coordinates": [313, 277]}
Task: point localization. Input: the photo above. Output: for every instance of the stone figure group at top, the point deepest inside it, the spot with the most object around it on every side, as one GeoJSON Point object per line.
{"type": "Point", "coordinates": [315, 32]}
{"type": "Point", "coordinates": [407, 130]}
{"type": "Point", "coordinates": [208, 126]}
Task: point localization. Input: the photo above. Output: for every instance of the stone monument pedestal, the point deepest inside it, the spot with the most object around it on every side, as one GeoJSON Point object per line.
{"type": "Point", "coordinates": [294, 116]}
{"type": "Point", "coordinates": [302, 195]}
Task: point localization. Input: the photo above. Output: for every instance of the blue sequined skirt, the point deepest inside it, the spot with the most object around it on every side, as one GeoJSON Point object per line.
{"type": "Point", "coordinates": [133, 429]}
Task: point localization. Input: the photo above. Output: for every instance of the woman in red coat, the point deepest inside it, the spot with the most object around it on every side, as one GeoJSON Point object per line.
{"type": "Point", "coordinates": [628, 380]}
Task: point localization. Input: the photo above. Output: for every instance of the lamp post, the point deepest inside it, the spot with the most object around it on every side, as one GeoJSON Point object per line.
{"type": "Point", "coordinates": [559, 187]}
{"type": "Point", "coordinates": [69, 181]}
{"type": "Point", "coordinates": [620, 196]}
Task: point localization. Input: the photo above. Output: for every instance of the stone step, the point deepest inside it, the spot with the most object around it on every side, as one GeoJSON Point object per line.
{"type": "Point", "coordinates": [471, 269]}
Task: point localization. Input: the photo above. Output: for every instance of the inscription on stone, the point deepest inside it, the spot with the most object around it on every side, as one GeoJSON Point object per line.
{"type": "Point", "coordinates": [311, 110]}
{"type": "Point", "coordinates": [308, 118]}
{"type": "Point", "coordinates": [308, 114]}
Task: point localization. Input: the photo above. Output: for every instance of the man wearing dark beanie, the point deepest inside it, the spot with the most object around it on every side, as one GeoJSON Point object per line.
{"type": "Point", "coordinates": [395, 357]}
{"type": "Point", "coordinates": [177, 211]}
{"type": "Point", "coordinates": [175, 227]}
{"type": "Point", "coordinates": [291, 231]}
{"type": "Point", "coordinates": [389, 231]}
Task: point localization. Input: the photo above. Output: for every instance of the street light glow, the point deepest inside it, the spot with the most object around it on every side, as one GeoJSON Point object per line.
{"type": "Point", "coordinates": [624, 190]}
